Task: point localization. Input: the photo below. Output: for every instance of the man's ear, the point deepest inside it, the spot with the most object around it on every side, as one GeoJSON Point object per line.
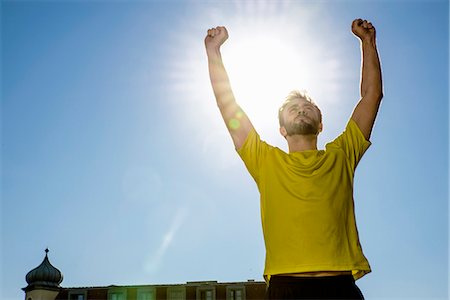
{"type": "Point", "coordinates": [320, 127]}
{"type": "Point", "coordinates": [283, 131]}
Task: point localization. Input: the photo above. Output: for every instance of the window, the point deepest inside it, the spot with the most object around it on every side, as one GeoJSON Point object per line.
{"type": "Point", "coordinates": [117, 294]}
{"type": "Point", "coordinates": [206, 293]}
{"type": "Point", "coordinates": [236, 292]}
{"type": "Point", "coordinates": [77, 295]}
{"type": "Point", "coordinates": [235, 295]}
{"type": "Point", "coordinates": [146, 294]}
{"type": "Point", "coordinates": [176, 293]}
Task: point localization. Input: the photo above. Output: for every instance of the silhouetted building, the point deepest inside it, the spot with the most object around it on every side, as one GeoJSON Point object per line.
{"type": "Point", "coordinates": [43, 281]}
{"type": "Point", "coordinates": [44, 284]}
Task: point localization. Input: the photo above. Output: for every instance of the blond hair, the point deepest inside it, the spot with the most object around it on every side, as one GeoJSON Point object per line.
{"type": "Point", "coordinates": [296, 94]}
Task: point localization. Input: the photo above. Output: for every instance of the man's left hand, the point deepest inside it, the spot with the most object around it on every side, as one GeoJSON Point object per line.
{"type": "Point", "coordinates": [363, 29]}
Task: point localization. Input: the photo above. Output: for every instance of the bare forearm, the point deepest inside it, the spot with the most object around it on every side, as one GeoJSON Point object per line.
{"type": "Point", "coordinates": [219, 79]}
{"type": "Point", "coordinates": [236, 120]}
{"type": "Point", "coordinates": [371, 69]}
{"type": "Point", "coordinates": [371, 87]}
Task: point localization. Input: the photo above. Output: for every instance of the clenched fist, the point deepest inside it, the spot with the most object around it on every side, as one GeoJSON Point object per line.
{"type": "Point", "coordinates": [215, 38]}
{"type": "Point", "coordinates": [363, 29]}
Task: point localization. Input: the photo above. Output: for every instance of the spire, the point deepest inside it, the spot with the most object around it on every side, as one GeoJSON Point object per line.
{"type": "Point", "coordinates": [44, 276]}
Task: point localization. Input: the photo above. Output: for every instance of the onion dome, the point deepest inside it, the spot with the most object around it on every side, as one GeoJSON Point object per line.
{"type": "Point", "coordinates": [44, 276]}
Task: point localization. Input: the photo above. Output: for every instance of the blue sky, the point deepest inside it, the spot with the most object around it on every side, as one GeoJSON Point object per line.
{"type": "Point", "coordinates": [115, 157]}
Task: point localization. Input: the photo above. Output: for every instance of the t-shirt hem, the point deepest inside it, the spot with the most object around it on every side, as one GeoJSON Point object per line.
{"type": "Point", "coordinates": [246, 141]}
{"type": "Point", "coordinates": [368, 142]}
{"type": "Point", "coordinates": [357, 271]}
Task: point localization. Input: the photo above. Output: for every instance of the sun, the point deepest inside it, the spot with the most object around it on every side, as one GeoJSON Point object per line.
{"type": "Point", "coordinates": [263, 69]}
{"type": "Point", "coordinates": [266, 60]}
{"type": "Point", "coordinates": [272, 49]}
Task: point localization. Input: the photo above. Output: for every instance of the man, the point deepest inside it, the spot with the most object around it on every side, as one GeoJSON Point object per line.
{"type": "Point", "coordinates": [307, 210]}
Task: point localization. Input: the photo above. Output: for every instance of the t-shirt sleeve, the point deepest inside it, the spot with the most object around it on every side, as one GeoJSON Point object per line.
{"type": "Point", "coordinates": [253, 152]}
{"type": "Point", "coordinates": [352, 142]}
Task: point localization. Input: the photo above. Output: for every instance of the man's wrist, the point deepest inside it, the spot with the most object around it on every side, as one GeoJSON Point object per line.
{"type": "Point", "coordinates": [368, 41]}
{"type": "Point", "coordinates": [213, 52]}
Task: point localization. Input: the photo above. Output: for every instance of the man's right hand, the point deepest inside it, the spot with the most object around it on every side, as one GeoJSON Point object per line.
{"type": "Point", "coordinates": [215, 38]}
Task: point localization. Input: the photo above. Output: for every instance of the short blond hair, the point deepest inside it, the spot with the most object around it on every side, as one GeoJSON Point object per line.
{"type": "Point", "coordinates": [296, 94]}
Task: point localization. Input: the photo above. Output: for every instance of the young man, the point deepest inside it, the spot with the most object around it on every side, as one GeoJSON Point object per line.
{"type": "Point", "coordinates": [307, 211]}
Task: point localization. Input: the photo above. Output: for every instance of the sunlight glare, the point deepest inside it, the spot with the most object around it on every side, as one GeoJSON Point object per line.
{"type": "Point", "coordinates": [262, 71]}
{"type": "Point", "coordinates": [272, 49]}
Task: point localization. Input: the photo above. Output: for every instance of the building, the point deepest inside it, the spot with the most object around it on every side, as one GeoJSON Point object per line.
{"type": "Point", "coordinates": [44, 284]}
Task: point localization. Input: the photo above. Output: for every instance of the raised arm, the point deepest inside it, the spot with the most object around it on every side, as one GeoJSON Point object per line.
{"type": "Point", "coordinates": [236, 120]}
{"type": "Point", "coordinates": [371, 86]}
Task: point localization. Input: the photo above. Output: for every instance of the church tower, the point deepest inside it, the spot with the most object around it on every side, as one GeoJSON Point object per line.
{"type": "Point", "coordinates": [43, 281]}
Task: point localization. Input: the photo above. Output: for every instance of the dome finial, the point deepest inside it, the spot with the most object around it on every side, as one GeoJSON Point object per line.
{"type": "Point", "coordinates": [45, 275]}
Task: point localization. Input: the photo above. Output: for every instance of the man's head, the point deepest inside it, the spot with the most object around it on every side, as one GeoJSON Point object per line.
{"type": "Point", "coordinates": [299, 115]}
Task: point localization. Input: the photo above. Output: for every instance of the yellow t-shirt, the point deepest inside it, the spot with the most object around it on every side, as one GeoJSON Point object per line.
{"type": "Point", "coordinates": [307, 208]}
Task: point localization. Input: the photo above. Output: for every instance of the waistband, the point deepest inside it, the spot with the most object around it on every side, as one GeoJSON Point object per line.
{"type": "Point", "coordinates": [281, 279]}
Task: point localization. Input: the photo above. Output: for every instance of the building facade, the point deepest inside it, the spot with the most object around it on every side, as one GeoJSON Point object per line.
{"type": "Point", "coordinates": [44, 284]}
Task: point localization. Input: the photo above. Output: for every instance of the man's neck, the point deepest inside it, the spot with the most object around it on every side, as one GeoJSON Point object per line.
{"type": "Point", "coordinates": [301, 142]}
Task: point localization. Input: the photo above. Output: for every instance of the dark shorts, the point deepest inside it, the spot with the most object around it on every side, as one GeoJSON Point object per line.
{"type": "Point", "coordinates": [330, 287]}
